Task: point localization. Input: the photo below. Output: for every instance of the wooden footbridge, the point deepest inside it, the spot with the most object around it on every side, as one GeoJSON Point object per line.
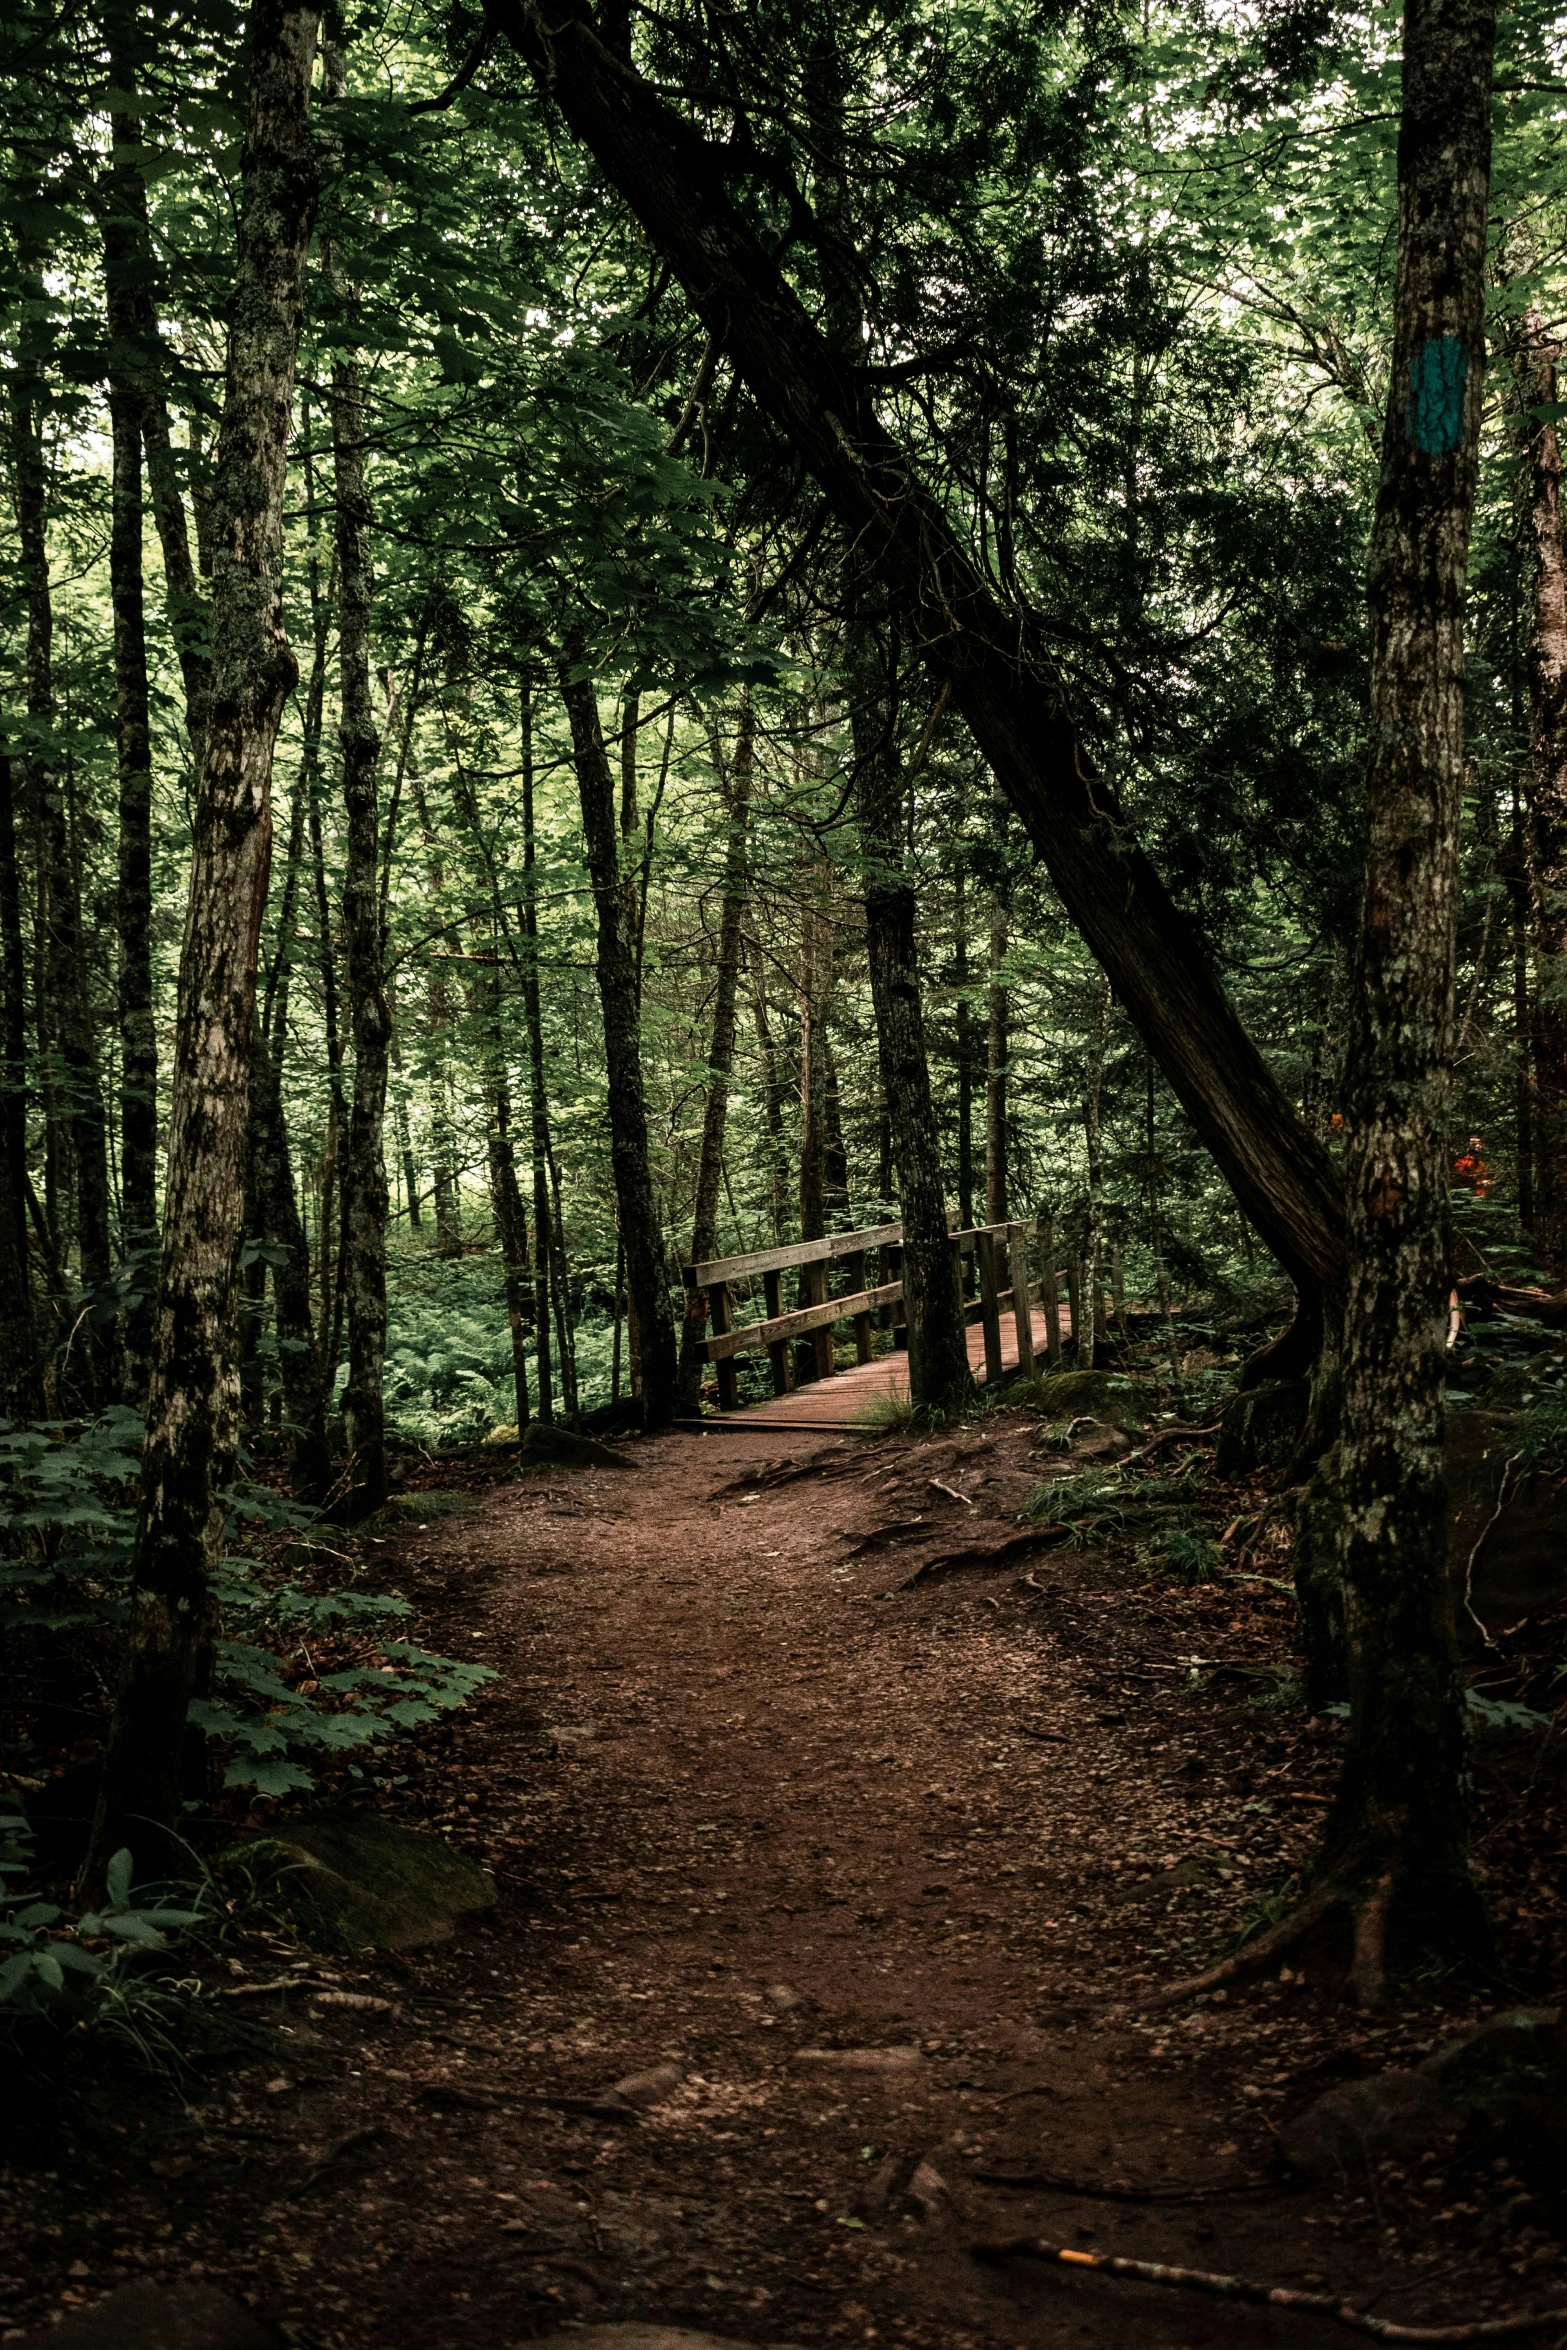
{"type": "Point", "coordinates": [1005, 1271]}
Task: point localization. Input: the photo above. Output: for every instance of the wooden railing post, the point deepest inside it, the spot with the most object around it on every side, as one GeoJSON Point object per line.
{"type": "Point", "coordinates": [987, 1249]}
{"type": "Point", "coordinates": [778, 1352]}
{"type": "Point", "coordinates": [855, 1266]}
{"type": "Point", "coordinates": [820, 1340]}
{"type": "Point", "coordinates": [892, 1270]}
{"type": "Point", "coordinates": [728, 1383]}
{"type": "Point", "coordinates": [1022, 1311]}
{"type": "Point", "coordinates": [1050, 1282]}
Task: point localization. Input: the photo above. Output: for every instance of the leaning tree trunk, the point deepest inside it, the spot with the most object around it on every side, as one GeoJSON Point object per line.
{"type": "Point", "coordinates": [124, 255]}
{"type": "Point", "coordinates": [1399, 1829]}
{"type": "Point", "coordinates": [1546, 799]}
{"type": "Point", "coordinates": [365, 1203]}
{"type": "Point", "coordinates": [646, 1284]}
{"type": "Point", "coordinates": [721, 1055]}
{"type": "Point", "coordinates": [675, 181]}
{"type": "Point", "coordinates": [193, 1398]}
{"type": "Point", "coordinates": [939, 1374]}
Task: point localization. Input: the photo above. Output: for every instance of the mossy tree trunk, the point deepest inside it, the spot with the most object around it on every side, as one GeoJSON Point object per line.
{"type": "Point", "coordinates": [1399, 1826]}
{"type": "Point", "coordinates": [188, 1453]}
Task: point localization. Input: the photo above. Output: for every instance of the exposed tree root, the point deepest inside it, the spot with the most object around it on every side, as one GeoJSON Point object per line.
{"type": "Point", "coordinates": [1111, 2192]}
{"type": "Point", "coordinates": [1261, 1950]}
{"type": "Point", "coordinates": [1226, 2288]}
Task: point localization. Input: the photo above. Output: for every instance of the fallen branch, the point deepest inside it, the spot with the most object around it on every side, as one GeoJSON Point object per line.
{"type": "Point", "coordinates": [1224, 2288]}
{"type": "Point", "coordinates": [1502, 1499]}
{"type": "Point", "coordinates": [1092, 2192]}
{"type": "Point", "coordinates": [1172, 1436]}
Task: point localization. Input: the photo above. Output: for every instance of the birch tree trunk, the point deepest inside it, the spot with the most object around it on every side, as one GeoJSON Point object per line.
{"type": "Point", "coordinates": [1400, 1823]}
{"type": "Point", "coordinates": [193, 1398]}
{"type": "Point", "coordinates": [653, 1320]}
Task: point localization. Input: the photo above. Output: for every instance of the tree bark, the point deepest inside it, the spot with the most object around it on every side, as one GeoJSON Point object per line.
{"type": "Point", "coordinates": [1400, 1819]}
{"type": "Point", "coordinates": [538, 1102]}
{"type": "Point", "coordinates": [1085, 1331]}
{"type": "Point", "coordinates": [124, 255]}
{"type": "Point", "coordinates": [648, 1288]}
{"type": "Point", "coordinates": [365, 1201]}
{"type": "Point", "coordinates": [20, 1398]}
{"type": "Point", "coordinates": [996, 1071]}
{"type": "Point", "coordinates": [939, 1374]}
{"type": "Point", "coordinates": [675, 183]}
{"type": "Point", "coordinates": [772, 1088]}
{"type": "Point", "coordinates": [277, 1205]}
{"type": "Point", "coordinates": [721, 1053]}
{"type": "Point", "coordinates": [76, 1156]}
{"type": "Point", "coordinates": [1546, 797]}
{"type": "Point", "coordinates": [191, 1416]}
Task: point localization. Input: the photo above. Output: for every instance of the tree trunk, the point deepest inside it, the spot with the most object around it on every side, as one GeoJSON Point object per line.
{"type": "Point", "coordinates": [191, 1417]}
{"type": "Point", "coordinates": [511, 1231]}
{"type": "Point", "coordinates": [365, 1202]}
{"type": "Point", "coordinates": [721, 1055]}
{"type": "Point", "coordinates": [538, 1100]}
{"type": "Point", "coordinates": [75, 1138]}
{"type": "Point", "coordinates": [772, 1089]}
{"type": "Point", "coordinates": [996, 1210]}
{"type": "Point", "coordinates": [1086, 1330]}
{"type": "Point", "coordinates": [939, 1374]}
{"type": "Point", "coordinates": [646, 1283]}
{"type": "Point", "coordinates": [1400, 1822]}
{"type": "Point", "coordinates": [277, 1203]}
{"type": "Point", "coordinates": [675, 184]}
{"type": "Point", "coordinates": [813, 1356]}
{"type": "Point", "coordinates": [20, 1398]}
{"type": "Point", "coordinates": [1546, 798]}
{"type": "Point", "coordinates": [124, 253]}
{"type": "Point", "coordinates": [964, 1024]}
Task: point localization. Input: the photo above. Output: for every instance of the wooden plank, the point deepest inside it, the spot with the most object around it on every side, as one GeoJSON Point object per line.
{"type": "Point", "coordinates": [796, 1253]}
{"type": "Point", "coordinates": [986, 1253]}
{"type": "Point", "coordinates": [777, 1331]}
{"type": "Point", "coordinates": [723, 1320]}
{"type": "Point", "coordinates": [1023, 1320]}
{"type": "Point", "coordinates": [778, 1353]}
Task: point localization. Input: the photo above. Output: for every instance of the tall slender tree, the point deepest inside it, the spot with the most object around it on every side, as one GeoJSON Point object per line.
{"type": "Point", "coordinates": [193, 1393]}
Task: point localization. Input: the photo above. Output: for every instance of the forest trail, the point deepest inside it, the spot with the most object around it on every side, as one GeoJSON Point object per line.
{"type": "Point", "coordinates": [753, 1786]}
{"type": "Point", "coordinates": [849, 1395]}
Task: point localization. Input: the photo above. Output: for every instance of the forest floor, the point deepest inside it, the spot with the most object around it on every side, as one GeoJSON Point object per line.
{"type": "Point", "coordinates": [870, 1875]}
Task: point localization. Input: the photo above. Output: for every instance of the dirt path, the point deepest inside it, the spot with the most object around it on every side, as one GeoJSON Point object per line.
{"type": "Point", "coordinates": [853, 1877]}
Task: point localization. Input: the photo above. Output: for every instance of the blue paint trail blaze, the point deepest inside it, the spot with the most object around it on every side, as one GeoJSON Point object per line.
{"type": "Point", "coordinates": [1438, 373]}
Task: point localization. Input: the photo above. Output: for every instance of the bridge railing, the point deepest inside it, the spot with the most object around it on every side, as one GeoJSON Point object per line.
{"type": "Point", "coordinates": [1004, 1284]}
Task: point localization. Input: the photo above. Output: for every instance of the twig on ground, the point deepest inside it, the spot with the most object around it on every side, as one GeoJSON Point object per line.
{"type": "Point", "coordinates": [1502, 1499]}
{"type": "Point", "coordinates": [951, 1492]}
{"type": "Point", "coordinates": [1227, 2288]}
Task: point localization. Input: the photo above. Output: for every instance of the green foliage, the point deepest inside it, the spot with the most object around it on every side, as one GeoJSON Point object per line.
{"type": "Point", "coordinates": [65, 1550]}
{"type": "Point", "coordinates": [76, 1968]}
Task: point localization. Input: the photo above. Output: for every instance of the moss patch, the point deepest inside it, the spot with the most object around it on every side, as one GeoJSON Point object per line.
{"type": "Point", "coordinates": [355, 1881]}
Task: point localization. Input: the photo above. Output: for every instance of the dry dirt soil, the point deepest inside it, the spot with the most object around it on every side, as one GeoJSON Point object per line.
{"type": "Point", "coordinates": [875, 1880]}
